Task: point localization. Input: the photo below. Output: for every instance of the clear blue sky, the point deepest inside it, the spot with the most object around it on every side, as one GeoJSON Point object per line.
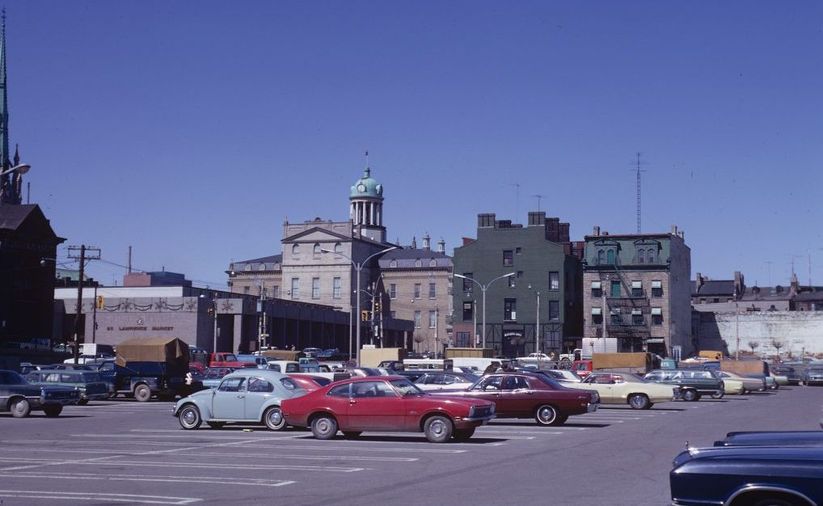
{"type": "Point", "coordinates": [192, 130]}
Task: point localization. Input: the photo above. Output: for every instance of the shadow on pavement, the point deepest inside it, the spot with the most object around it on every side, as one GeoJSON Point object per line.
{"type": "Point", "coordinates": [408, 439]}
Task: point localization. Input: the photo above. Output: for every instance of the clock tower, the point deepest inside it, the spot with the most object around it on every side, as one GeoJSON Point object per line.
{"type": "Point", "coordinates": [366, 207]}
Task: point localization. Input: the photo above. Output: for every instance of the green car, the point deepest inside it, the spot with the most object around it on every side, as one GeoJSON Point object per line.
{"type": "Point", "coordinates": [87, 383]}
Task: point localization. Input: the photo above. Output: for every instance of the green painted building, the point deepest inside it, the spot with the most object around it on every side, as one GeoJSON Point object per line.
{"type": "Point", "coordinates": [531, 276]}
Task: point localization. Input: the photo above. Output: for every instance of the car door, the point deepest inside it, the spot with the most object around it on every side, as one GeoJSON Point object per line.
{"type": "Point", "coordinates": [488, 389]}
{"type": "Point", "coordinates": [606, 388]}
{"type": "Point", "coordinates": [374, 405]}
{"type": "Point", "coordinates": [229, 400]}
{"type": "Point", "coordinates": [516, 397]}
{"type": "Point", "coordinates": [258, 392]}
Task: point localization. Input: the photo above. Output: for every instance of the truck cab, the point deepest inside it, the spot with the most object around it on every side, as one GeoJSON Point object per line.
{"type": "Point", "coordinates": [220, 359]}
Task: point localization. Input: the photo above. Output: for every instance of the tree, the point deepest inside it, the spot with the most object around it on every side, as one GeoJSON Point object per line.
{"type": "Point", "coordinates": [753, 345]}
{"type": "Point", "coordinates": [777, 345]}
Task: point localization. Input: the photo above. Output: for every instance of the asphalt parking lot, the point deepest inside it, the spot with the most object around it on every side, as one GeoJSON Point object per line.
{"type": "Point", "coordinates": [117, 452]}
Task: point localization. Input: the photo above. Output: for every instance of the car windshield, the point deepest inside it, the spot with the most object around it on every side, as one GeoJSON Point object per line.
{"type": "Point", "coordinates": [406, 387]}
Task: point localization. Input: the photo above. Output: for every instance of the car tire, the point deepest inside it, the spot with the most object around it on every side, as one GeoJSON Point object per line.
{"type": "Point", "coordinates": [274, 419]}
{"type": "Point", "coordinates": [142, 393]}
{"type": "Point", "coordinates": [463, 434]}
{"type": "Point", "coordinates": [639, 401]}
{"type": "Point", "coordinates": [438, 429]}
{"type": "Point", "coordinates": [744, 392]}
{"type": "Point", "coordinates": [324, 427]}
{"type": "Point", "coordinates": [690, 395]}
{"type": "Point", "coordinates": [351, 434]}
{"type": "Point", "coordinates": [546, 415]}
{"type": "Point", "coordinates": [20, 408]}
{"type": "Point", "coordinates": [82, 402]}
{"type": "Point", "coordinates": [52, 410]}
{"type": "Point", "coordinates": [189, 417]}
{"type": "Point", "coordinates": [216, 425]}
{"type": "Point", "coordinates": [774, 500]}
{"type": "Point", "coordinates": [718, 395]}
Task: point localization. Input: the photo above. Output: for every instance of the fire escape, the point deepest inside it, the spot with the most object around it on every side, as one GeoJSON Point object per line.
{"type": "Point", "coordinates": [626, 315]}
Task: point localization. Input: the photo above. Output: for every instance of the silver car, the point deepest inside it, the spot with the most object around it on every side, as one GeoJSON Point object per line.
{"type": "Point", "coordinates": [244, 396]}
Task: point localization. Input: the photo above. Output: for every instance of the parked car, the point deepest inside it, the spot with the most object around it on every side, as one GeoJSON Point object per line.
{"type": "Point", "coordinates": [731, 386]}
{"type": "Point", "coordinates": [748, 475]}
{"type": "Point", "coordinates": [564, 375]}
{"type": "Point", "coordinates": [309, 382]}
{"type": "Point", "coordinates": [773, 438]}
{"type": "Point", "coordinates": [214, 375]}
{"type": "Point", "coordinates": [749, 384]}
{"type": "Point", "coordinates": [445, 380]}
{"type": "Point", "coordinates": [693, 383]}
{"type": "Point", "coordinates": [143, 380]}
{"type": "Point", "coordinates": [813, 375]}
{"type": "Point", "coordinates": [530, 395]}
{"type": "Point", "coordinates": [386, 403]}
{"type": "Point", "coordinates": [623, 388]}
{"type": "Point", "coordinates": [243, 396]}
{"type": "Point", "coordinates": [89, 384]}
{"type": "Point", "coordinates": [791, 372]}
{"type": "Point", "coordinates": [19, 397]}
{"type": "Point", "coordinates": [257, 360]}
{"type": "Point", "coordinates": [312, 352]}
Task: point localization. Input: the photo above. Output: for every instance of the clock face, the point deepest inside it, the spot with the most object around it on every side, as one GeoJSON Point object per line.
{"type": "Point", "coordinates": [361, 187]}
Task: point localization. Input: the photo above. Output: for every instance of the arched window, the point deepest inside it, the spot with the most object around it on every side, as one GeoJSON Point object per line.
{"type": "Point", "coordinates": [295, 249]}
{"type": "Point", "coordinates": [316, 249]}
{"type": "Point", "coordinates": [338, 248]}
{"type": "Point", "coordinates": [641, 256]}
{"type": "Point", "coordinates": [601, 257]}
{"type": "Point", "coordinates": [418, 263]}
{"type": "Point", "coordinates": [610, 257]}
{"type": "Point", "coordinates": [650, 258]}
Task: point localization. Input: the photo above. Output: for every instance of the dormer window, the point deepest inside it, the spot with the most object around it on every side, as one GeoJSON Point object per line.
{"type": "Point", "coordinates": [393, 264]}
{"type": "Point", "coordinates": [418, 263]}
{"type": "Point", "coordinates": [432, 263]}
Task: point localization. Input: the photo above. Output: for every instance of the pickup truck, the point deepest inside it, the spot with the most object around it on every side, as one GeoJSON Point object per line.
{"type": "Point", "coordinates": [228, 360]}
{"type": "Point", "coordinates": [693, 383]}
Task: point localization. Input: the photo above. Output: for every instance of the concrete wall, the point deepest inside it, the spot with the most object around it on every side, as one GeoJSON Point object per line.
{"type": "Point", "coordinates": [797, 331]}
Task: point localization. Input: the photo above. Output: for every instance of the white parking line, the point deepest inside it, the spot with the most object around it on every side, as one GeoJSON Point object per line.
{"type": "Point", "coordinates": [92, 496]}
{"type": "Point", "coordinates": [170, 479]}
{"type": "Point", "coordinates": [188, 464]}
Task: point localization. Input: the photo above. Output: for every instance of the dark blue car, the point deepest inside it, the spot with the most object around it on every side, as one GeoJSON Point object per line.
{"type": "Point", "coordinates": [773, 438]}
{"type": "Point", "coordinates": [748, 476]}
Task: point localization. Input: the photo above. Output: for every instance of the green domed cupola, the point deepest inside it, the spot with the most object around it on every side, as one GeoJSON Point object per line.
{"type": "Point", "coordinates": [367, 187]}
{"type": "Point", "coordinates": [366, 209]}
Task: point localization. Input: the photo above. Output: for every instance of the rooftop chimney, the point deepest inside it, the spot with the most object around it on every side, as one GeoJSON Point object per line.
{"type": "Point", "coordinates": [596, 230]}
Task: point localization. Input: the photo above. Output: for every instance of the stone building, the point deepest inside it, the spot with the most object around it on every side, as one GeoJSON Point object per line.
{"type": "Point", "coordinates": [518, 266]}
{"type": "Point", "coordinates": [638, 290]}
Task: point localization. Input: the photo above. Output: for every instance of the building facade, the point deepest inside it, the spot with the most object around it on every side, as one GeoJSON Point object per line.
{"type": "Point", "coordinates": [638, 291]}
{"type": "Point", "coordinates": [531, 278]}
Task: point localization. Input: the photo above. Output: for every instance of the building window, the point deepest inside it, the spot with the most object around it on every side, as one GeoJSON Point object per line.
{"type": "Point", "coordinates": [417, 290]}
{"type": "Point", "coordinates": [432, 290]}
{"type": "Point", "coordinates": [615, 289]}
{"type": "Point", "coordinates": [615, 317]}
{"type": "Point", "coordinates": [315, 288]}
{"type": "Point", "coordinates": [418, 263]}
{"type": "Point", "coordinates": [393, 264]}
{"type": "Point", "coordinates": [637, 317]}
{"type": "Point", "coordinates": [512, 281]}
{"type": "Point", "coordinates": [316, 250]}
{"type": "Point", "coordinates": [463, 339]}
{"type": "Point", "coordinates": [468, 311]}
{"type": "Point", "coordinates": [392, 314]}
{"type": "Point", "coordinates": [637, 288]}
{"type": "Point", "coordinates": [597, 289]}
{"type": "Point", "coordinates": [597, 315]}
{"type": "Point", "coordinates": [554, 280]}
{"type": "Point", "coordinates": [610, 257]}
{"type": "Point", "coordinates": [295, 288]}
{"type": "Point", "coordinates": [601, 257]}
{"type": "Point", "coordinates": [508, 258]}
{"type": "Point", "coordinates": [245, 289]}
{"type": "Point", "coordinates": [657, 289]}
{"type": "Point", "coordinates": [275, 291]}
{"type": "Point", "coordinates": [432, 263]}
{"type": "Point", "coordinates": [650, 256]}
{"type": "Point", "coordinates": [336, 288]}
{"type": "Point", "coordinates": [417, 319]}
{"type": "Point", "coordinates": [392, 291]}
{"type": "Point", "coordinates": [640, 255]}
{"type": "Point", "coordinates": [518, 250]}
{"type": "Point", "coordinates": [554, 310]}
{"type": "Point", "coordinates": [657, 316]}
{"type": "Point", "coordinates": [295, 249]}
{"type": "Point", "coordinates": [432, 319]}
{"type": "Point", "coordinates": [338, 248]}
{"type": "Point", "coordinates": [510, 309]}
{"type": "Point", "coordinates": [467, 283]}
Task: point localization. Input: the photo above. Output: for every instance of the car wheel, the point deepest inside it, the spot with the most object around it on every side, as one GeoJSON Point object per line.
{"type": "Point", "coordinates": [52, 410]}
{"type": "Point", "coordinates": [774, 387]}
{"type": "Point", "coordinates": [189, 417]}
{"type": "Point", "coordinates": [718, 395]}
{"type": "Point", "coordinates": [744, 392]}
{"type": "Point", "coordinates": [463, 434]}
{"type": "Point", "coordinates": [20, 408]}
{"type": "Point", "coordinates": [216, 425]}
{"type": "Point", "coordinates": [82, 402]}
{"type": "Point", "coordinates": [142, 393]}
{"type": "Point", "coordinates": [774, 500]}
{"type": "Point", "coordinates": [438, 429]}
{"type": "Point", "coordinates": [689, 395]}
{"type": "Point", "coordinates": [639, 401]}
{"type": "Point", "coordinates": [546, 415]}
{"type": "Point", "coordinates": [351, 434]}
{"type": "Point", "coordinates": [274, 419]}
{"type": "Point", "coordinates": [324, 427]}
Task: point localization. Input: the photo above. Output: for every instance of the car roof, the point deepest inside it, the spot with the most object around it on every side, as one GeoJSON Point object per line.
{"type": "Point", "coordinates": [263, 373]}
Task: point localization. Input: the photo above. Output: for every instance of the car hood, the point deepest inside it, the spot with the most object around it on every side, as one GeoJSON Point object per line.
{"type": "Point", "coordinates": [773, 438]}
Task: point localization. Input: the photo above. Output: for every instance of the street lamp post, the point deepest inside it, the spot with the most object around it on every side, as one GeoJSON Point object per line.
{"type": "Point", "coordinates": [20, 169]}
{"type": "Point", "coordinates": [483, 289]}
{"type": "Point", "coordinates": [358, 266]}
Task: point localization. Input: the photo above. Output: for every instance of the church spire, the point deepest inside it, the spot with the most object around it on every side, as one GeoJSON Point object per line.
{"type": "Point", "coordinates": [10, 183]}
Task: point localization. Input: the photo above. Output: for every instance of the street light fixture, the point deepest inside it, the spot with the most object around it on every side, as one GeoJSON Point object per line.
{"type": "Point", "coordinates": [483, 289]}
{"type": "Point", "coordinates": [358, 266]}
{"type": "Point", "coordinates": [20, 169]}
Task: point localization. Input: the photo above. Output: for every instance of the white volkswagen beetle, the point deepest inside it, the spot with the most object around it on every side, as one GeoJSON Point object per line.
{"type": "Point", "coordinates": [244, 396]}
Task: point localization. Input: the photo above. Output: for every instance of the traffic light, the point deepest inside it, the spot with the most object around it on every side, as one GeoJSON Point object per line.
{"type": "Point", "coordinates": [377, 307]}
{"type": "Point", "coordinates": [211, 310]}
{"type": "Point", "coordinates": [100, 302]}
{"type": "Point", "coordinates": [364, 315]}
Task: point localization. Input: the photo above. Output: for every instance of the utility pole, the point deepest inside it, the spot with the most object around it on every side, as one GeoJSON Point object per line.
{"type": "Point", "coordinates": [94, 255]}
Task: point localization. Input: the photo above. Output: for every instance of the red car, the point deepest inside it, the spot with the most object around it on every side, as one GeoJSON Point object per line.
{"type": "Point", "coordinates": [308, 382]}
{"type": "Point", "coordinates": [526, 395]}
{"type": "Point", "coordinates": [385, 403]}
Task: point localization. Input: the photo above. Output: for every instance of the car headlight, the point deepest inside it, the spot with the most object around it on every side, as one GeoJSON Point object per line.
{"type": "Point", "coordinates": [471, 412]}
